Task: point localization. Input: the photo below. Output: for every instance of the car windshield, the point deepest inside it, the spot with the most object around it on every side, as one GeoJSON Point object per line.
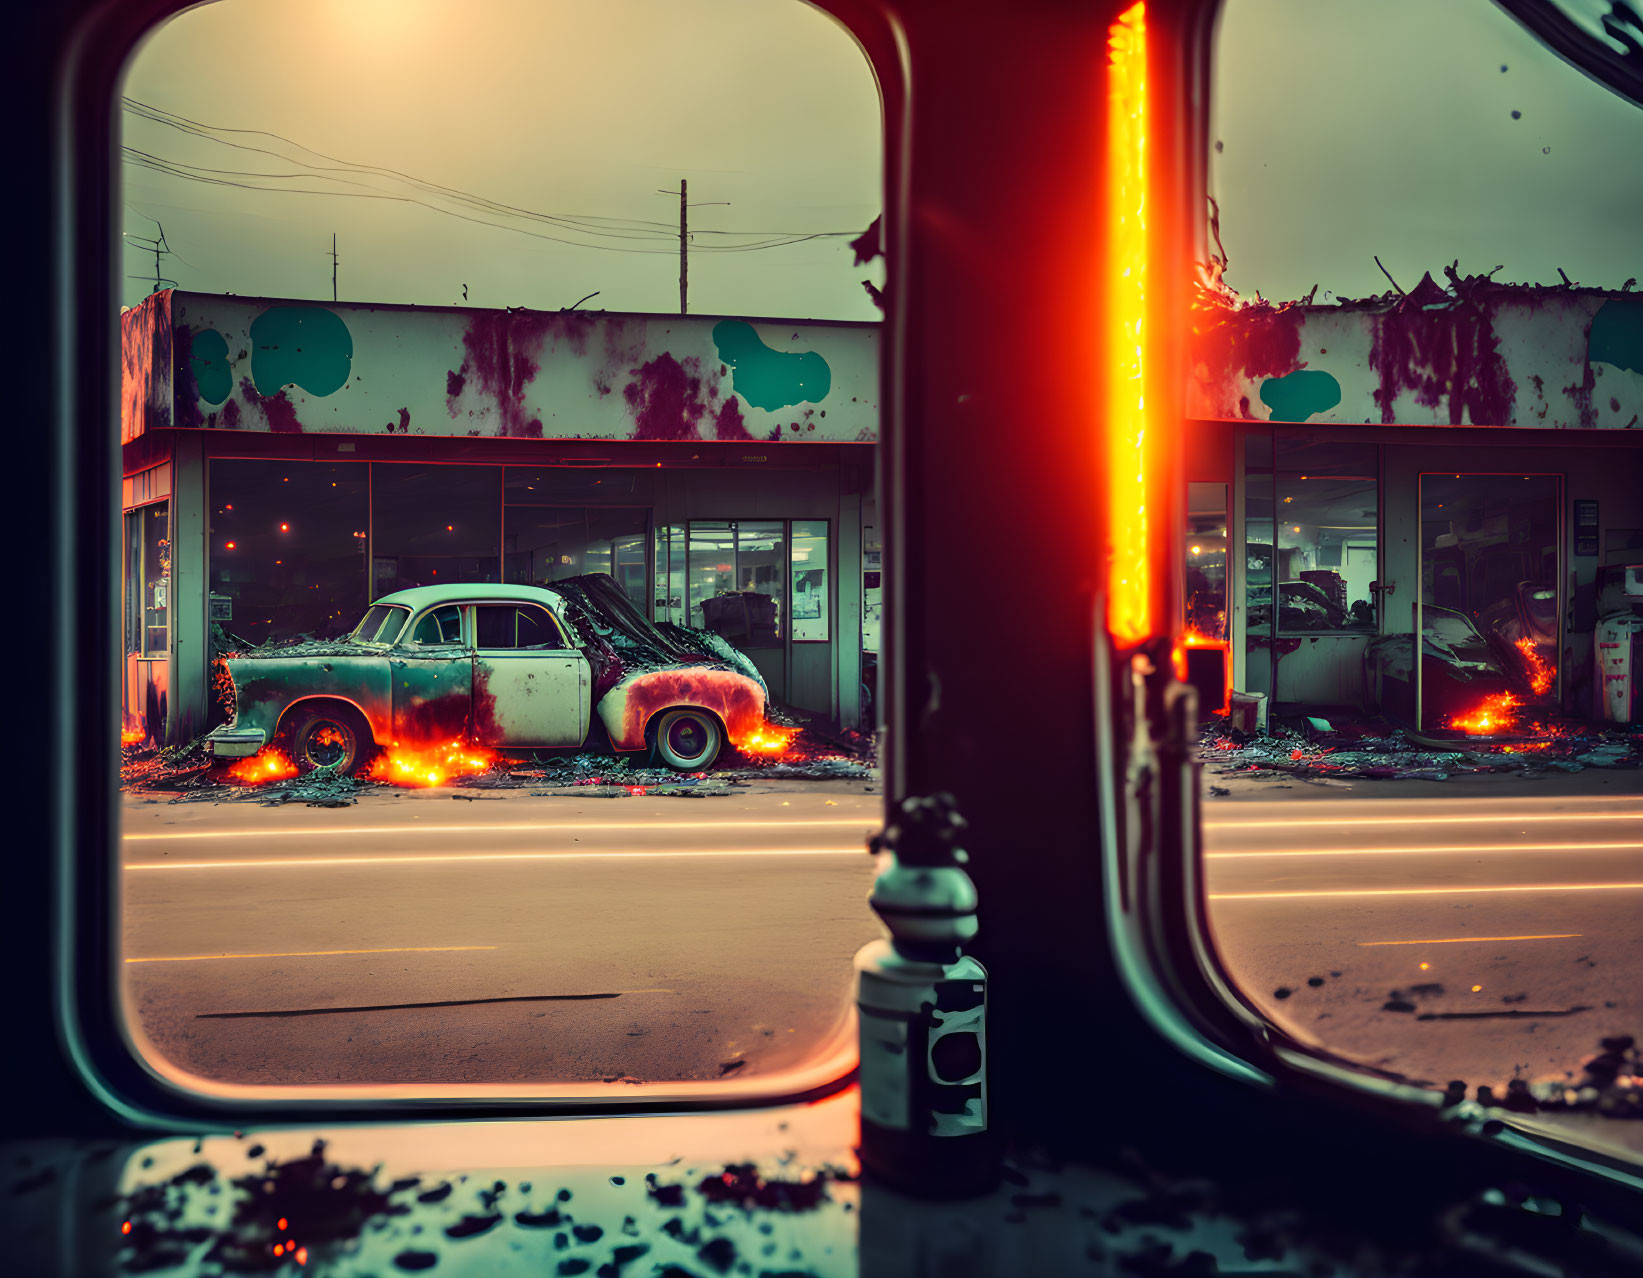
{"type": "Point", "coordinates": [381, 624]}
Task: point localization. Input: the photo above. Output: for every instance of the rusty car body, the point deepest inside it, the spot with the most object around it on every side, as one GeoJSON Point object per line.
{"type": "Point", "coordinates": [505, 667]}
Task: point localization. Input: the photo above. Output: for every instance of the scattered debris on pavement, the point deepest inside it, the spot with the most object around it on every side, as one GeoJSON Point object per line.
{"type": "Point", "coordinates": [1318, 749]}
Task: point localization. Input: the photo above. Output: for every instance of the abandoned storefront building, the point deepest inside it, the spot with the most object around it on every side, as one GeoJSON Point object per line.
{"type": "Point", "coordinates": [287, 462]}
{"type": "Point", "coordinates": [1465, 463]}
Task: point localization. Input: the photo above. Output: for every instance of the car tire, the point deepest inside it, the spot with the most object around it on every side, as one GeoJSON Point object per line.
{"type": "Point", "coordinates": [687, 740]}
{"type": "Point", "coordinates": [329, 736]}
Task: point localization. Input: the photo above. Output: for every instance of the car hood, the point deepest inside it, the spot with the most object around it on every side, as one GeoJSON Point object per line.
{"type": "Point", "coordinates": [620, 640]}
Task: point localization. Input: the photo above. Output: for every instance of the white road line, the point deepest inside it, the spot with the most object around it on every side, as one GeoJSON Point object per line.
{"type": "Point", "coordinates": [1460, 940]}
{"type": "Point", "coordinates": [471, 858]}
{"type": "Point", "coordinates": [1442, 891]}
{"type": "Point", "coordinates": [403, 949]}
{"type": "Point", "coordinates": [1370, 819]}
{"type": "Point", "coordinates": [331, 832]}
{"type": "Point", "coordinates": [1430, 848]}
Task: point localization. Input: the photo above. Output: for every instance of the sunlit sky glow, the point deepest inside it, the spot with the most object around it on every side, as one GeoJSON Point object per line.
{"type": "Point", "coordinates": [1349, 129]}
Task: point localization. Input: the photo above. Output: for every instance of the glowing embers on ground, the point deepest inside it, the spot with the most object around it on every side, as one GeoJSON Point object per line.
{"type": "Point", "coordinates": [268, 764]}
{"type": "Point", "coordinates": [1541, 672]}
{"type": "Point", "coordinates": [1497, 714]}
{"type": "Point", "coordinates": [132, 736]}
{"type": "Point", "coordinates": [1124, 285]}
{"type": "Point", "coordinates": [765, 741]}
{"type": "Point", "coordinates": [430, 765]}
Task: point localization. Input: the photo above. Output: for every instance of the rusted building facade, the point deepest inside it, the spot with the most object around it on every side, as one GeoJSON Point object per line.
{"type": "Point", "coordinates": [1458, 462]}
{"type": "Point", "coordinates": [287, 462]}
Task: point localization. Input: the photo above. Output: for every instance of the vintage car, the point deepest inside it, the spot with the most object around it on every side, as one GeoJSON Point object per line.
{"type": "Point", "coordinates": [507, 667]}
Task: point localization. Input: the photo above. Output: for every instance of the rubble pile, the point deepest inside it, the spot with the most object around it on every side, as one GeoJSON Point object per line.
{"type": "Point", "coordinates": [1612, 1086]}
{"type": "Point", "coordinates": [1313, 748]}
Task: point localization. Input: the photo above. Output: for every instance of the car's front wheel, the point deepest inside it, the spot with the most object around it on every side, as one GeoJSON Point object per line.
{"type": "Point", "coordinates": [336, 738]}
{"type": "Point", "coordinates": [688, 740]}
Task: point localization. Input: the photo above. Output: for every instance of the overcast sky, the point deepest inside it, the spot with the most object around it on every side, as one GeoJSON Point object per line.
{"type": "Point", "coordinates": [1348, 129]}
{"type": "Point", "coordinates": [560, 108]}
{"type": "Point", "coordinates": [1352, 128]}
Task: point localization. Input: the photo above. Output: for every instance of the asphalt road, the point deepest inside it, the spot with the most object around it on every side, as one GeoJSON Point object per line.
{"type": "Point", "coordinates": [649, 939]}
{"type": "Point", "coordinates": [1505, 919]}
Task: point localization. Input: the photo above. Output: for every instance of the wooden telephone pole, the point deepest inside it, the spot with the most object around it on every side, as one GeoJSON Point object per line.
{"type": "Point", "coordinates": [684, 243]}
{"type": "Point", "coordinates": [333, 266]}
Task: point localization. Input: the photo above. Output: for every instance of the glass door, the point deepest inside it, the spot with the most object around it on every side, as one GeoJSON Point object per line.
{"type": "Point", "coordinates": [1490, 607]}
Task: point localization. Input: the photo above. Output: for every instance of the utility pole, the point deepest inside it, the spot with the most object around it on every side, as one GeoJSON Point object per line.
{"type": "Point", "coordinates": [159, 248]}
{"type": "Point", "coordinates": [684, 243]}
{"type": "Point", "coordinates": [333, 266]}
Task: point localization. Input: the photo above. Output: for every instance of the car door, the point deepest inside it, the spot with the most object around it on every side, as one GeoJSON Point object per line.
{"type": "Point", "coordinates": [531, 686]}
{"type": "Point", "coordinates": [432, 674]}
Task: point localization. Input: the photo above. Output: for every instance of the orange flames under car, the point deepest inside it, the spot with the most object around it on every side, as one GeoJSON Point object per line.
{"type": "Point", "coordinates": [264, 766]}
{"type": "Point", "coordinates": [1494, 715]}
{"type": "Point", "coordinates": [1541, 673]}
{"type": "Point", "coordinates": [402, 764]}
{"type": "Point", "coordinates": [766, 739]}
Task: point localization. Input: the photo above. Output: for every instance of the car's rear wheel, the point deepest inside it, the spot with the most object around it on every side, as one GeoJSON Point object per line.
{"type": "Point", "coordinates": [688, 740]}
{"type": "Point", "coordinates": [334, 737]}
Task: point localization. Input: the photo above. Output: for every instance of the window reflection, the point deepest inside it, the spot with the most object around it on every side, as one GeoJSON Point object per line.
{"type": "Point", "coordinates": [287, 548]}
{"type": "Point", "coordinates": [433, 524]}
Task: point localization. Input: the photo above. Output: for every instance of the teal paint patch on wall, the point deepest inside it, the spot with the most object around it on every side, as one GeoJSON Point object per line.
{"type": "Point", "coordinates": [766, 378]}
{"type": "Point", "coordinates": [212, 376]}
{"type": "Point", "coordinates": [305, 346]}
{"type": "Point", "coordinates": [1616, 336]}
{"type": "Point", "coordinates": [1294, 397]}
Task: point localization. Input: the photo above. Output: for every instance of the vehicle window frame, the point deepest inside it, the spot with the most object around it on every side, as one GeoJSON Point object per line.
{"type": "Point", "coordinates": [96, 44]}
{"type": "Point", "coordinates": [1184, 1002]}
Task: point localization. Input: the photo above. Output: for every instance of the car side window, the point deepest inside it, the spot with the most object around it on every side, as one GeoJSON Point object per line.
{"type": "Point", "coordinates": [521, 626]}
{"type": "Point", "coordinates": [440, 626]}
{"type": "Point", "coordinates": [538, 630]}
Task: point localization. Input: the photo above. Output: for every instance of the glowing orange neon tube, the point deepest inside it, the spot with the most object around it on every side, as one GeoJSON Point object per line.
{"type": "Point", "coordinates": [1129, 609]}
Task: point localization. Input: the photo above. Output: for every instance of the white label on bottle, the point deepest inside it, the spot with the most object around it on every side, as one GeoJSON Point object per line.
{"type": "Point", "coordinates": [884, 1072]}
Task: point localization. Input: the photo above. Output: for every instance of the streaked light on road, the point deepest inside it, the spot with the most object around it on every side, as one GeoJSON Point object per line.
{"type": "Point", "coordinates": [1430, 848]}
{"type": "Point", "coordinates": [542, 827]}
{"type": "Point", "coordinates": [1460, 940]}
{"type": "Point", "coordinates": [475, 858]}
{"type": "Point", "coordinates": [403, 949]}
{"type": "Point", "coordinates": [1301, 821]}
{"type": "Point", "coordinates": [1437, 891]}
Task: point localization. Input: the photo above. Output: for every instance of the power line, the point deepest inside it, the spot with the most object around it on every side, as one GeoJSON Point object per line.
{"type": "Point", "coordinates": [630, 228]}
{"type": "Point", "coordinates": [225, 177]}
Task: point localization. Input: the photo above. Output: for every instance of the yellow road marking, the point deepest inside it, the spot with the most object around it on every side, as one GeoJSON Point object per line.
{"type": "Point", "coordinates": [1434, 847]}
{"type": "Point", "coordinates": [404, 949]}
{"type": "Point", "coordinates": [470, 858]}
{"type": "Point", "coordinates": [331, 832]}
{"type": "Point", "coordinates": [1457, 940]}
{"type": "Point", "coordinates": [1444, 891]}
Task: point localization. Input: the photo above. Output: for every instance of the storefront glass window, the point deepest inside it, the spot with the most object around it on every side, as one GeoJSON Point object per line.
{"type": "Point", "coordinates": [155, 525]}
{"type": "Point", "coordinates": [1206, 576]}
{"type": "Point", "coordinates": [1327, 519]}
{"type": "Point", "coordinates": [432, 525]}
{"type": "Point", "coordinates": [670, 575]}
{"type": "Point", "coordinates": [738, 580]}
{"type": "Point", "coordinates": [549, 543]}
{"type": "Point", "coordinates": [287, 548]}
{"type": "Point", "coordinates": [812, 597]}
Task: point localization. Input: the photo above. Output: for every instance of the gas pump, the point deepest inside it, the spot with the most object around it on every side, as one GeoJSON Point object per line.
{"type": "Point", "coordinates": [1619, 640]}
